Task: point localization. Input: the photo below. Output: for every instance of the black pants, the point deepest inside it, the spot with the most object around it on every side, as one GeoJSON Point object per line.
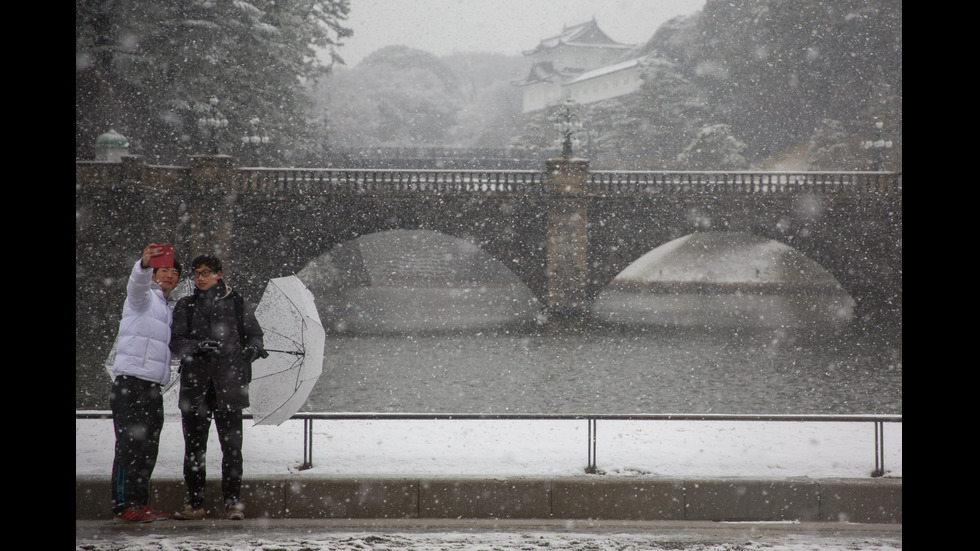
{"type": "Point", "coordinates": [137, 417]}
{"type": "Point", "coordinates": [197, 425]}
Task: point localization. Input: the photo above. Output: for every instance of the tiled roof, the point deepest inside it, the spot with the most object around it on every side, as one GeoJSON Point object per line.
{"type": "Point", "coordinates": [544, 71]}
{"type": "Point", "coordinates": [583, 34]}
{"type": "Point", "coordinates": [608, 69]}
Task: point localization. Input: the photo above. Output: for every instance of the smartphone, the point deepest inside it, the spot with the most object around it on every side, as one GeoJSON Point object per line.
{"type": "Point", "coordinates": [165, 260]}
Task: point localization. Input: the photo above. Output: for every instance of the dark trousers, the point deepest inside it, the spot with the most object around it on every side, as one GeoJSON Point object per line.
{"type": "Point", "coordinates": [137, 417]}
{"type": "Point", "coordinates": [197, 425]}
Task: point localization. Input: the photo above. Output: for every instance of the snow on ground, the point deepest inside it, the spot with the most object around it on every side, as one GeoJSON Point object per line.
{"type": "Point", "coordinates": [473, 448]}
{"type": "Point", "coordinates": [431, 448]}
{"type": "Point", "coordinates": [528, 448]}
{"type": "Point", "coordinates": [531, 540]}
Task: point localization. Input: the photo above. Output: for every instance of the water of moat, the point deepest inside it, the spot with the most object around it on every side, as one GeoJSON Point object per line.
{"type": "Point", "coordinates": [614, 370]}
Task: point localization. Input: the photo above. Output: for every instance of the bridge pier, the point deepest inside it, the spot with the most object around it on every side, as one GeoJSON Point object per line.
{"type": "Point", "coordinates": [211, 209]}
{"type": "Point", "coordinates": [567, 271]}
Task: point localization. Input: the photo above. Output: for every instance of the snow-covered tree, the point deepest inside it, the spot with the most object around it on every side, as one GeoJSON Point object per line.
{"type": "Point", "coordinates": [714, 148]}
{"type": "Point", "coordinates": [829, 148]}
{"type": "Point", "coordinates": [396, 97]}
{"type": "Point", "coordinates": [147, 67]}
{"type": "Point", "coordinates": [654, 124]}
{"type": "Point", "coordinates": [774, 69]}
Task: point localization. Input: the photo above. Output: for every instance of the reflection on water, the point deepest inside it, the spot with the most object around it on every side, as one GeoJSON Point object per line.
{"type": "Point", "coordinates": [381, 310]}
{"type": "Point", "coordinates": [732, 310]}
{"type": "Point", "coordinates": [414, 280]}
{"type": "Point", "coordinates": [725, 279]}
{"type": "Point", "coordinates": [613, 370]}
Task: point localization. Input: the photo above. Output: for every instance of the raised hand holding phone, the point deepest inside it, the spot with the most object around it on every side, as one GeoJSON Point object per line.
{"type": "Point", "coordinates": [158, 256]}
{"type": "Point", "coordinates": [164, 258]}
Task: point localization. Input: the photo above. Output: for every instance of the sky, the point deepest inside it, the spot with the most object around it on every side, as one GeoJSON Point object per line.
{"type": "Point", "coordinates": [442, 27]}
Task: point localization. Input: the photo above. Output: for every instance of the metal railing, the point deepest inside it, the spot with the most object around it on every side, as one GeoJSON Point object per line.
{"type": "Point", "coordinates": [501, 181]}
{"type": "Point", "coordinates": [598, 182]}
{"type": "Point", "coordinates": [396, 181]}
{"type": "Point", "coordinates": [743, 182]}
{"type": "Point", "coordinates": [878, 421]}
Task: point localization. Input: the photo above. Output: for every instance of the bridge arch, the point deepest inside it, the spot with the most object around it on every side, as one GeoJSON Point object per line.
{"type": "Point", "coordinates": [856, 238]}
{"type": "Point", "coordinates": [720, 279]}
{"type": "Point", "coordinates": [400, 280]}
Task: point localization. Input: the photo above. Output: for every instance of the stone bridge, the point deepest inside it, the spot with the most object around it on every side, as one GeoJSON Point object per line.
{"type": "Point", "coordinates": [564, 230]}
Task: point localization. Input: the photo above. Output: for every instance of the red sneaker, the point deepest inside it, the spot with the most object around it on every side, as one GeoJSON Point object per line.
{"type": "Point", "coordinates": [135, 514]}
{"type": "Point", "coordinates": [157, 515]}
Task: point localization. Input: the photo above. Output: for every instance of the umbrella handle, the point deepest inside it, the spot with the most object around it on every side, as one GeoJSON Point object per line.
{"type": "Point", "coordinates": [293, 352]}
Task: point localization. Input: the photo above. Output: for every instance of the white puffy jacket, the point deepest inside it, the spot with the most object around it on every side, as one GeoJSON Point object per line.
{"type": "Point", "coordinates": [144, 331]}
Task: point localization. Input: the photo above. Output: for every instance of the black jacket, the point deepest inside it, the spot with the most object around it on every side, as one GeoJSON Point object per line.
{"type": "Point", "coordinates": [212, 315]}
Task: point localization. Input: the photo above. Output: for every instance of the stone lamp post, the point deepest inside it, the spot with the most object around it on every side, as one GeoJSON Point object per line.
{"type": "Point", "coordinates": [568, 125]}
{"type": "Point", "coordinates": [210, 122]}
{"type": "Point", "coordinates": [879, 146]}
{"type": "Point", "coordinates": [255, 141]}
{"type": "Point", "coordinates": [111, 146]}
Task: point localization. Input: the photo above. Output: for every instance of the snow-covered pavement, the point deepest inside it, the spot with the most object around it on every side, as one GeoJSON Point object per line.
{"type": "Point", "coordinates": [467, 535]}
{"type": "Point", "coordinates": [422, 448]}
{"type": "Point", "coordinates": [494, 448]}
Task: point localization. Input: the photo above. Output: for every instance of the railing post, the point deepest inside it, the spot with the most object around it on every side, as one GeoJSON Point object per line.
{"type": "Point", "coordinates": [591, 468]}
{"type": "Point", "coordinates": [307, 444]}
{"type": "Point", "coordinates": [879, 450]}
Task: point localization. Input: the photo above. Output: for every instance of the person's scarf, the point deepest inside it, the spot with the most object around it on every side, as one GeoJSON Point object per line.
{"type": "Point", "coordinates": [208, 296]}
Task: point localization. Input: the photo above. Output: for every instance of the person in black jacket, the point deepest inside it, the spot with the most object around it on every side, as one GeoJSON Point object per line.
{"type": "Point", "coordinates": [216, 336]}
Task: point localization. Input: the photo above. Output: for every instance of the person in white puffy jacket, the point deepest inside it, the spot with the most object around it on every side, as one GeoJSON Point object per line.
{"type": "Point", "coordinates": [142, 365]}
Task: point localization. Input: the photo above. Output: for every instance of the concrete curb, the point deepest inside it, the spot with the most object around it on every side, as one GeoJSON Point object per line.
{"type": "Point", "coordinates": [873, 500]}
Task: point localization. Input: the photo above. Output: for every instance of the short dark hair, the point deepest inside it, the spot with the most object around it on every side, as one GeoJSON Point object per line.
{"type": "Point", "coordinates": [177, 267]}
{"type": "Point", "coordinates": [208, 260]}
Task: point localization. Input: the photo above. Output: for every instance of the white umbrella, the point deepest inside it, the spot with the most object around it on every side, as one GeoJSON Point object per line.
{"type": "Point", "coordinates": [294, 338]}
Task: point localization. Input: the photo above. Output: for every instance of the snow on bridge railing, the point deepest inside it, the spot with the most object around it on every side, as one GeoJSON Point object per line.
{"type": "Point", "coordinates": [597, 182]}
{"type": "Point", "coordinates": [391, 181]}
{"type": "Point", "coordinates": [742, 182]}
{"type": "Point", "coordinates": [601, 182]}
{"type": "Point", "coordinates": [878, 421]}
